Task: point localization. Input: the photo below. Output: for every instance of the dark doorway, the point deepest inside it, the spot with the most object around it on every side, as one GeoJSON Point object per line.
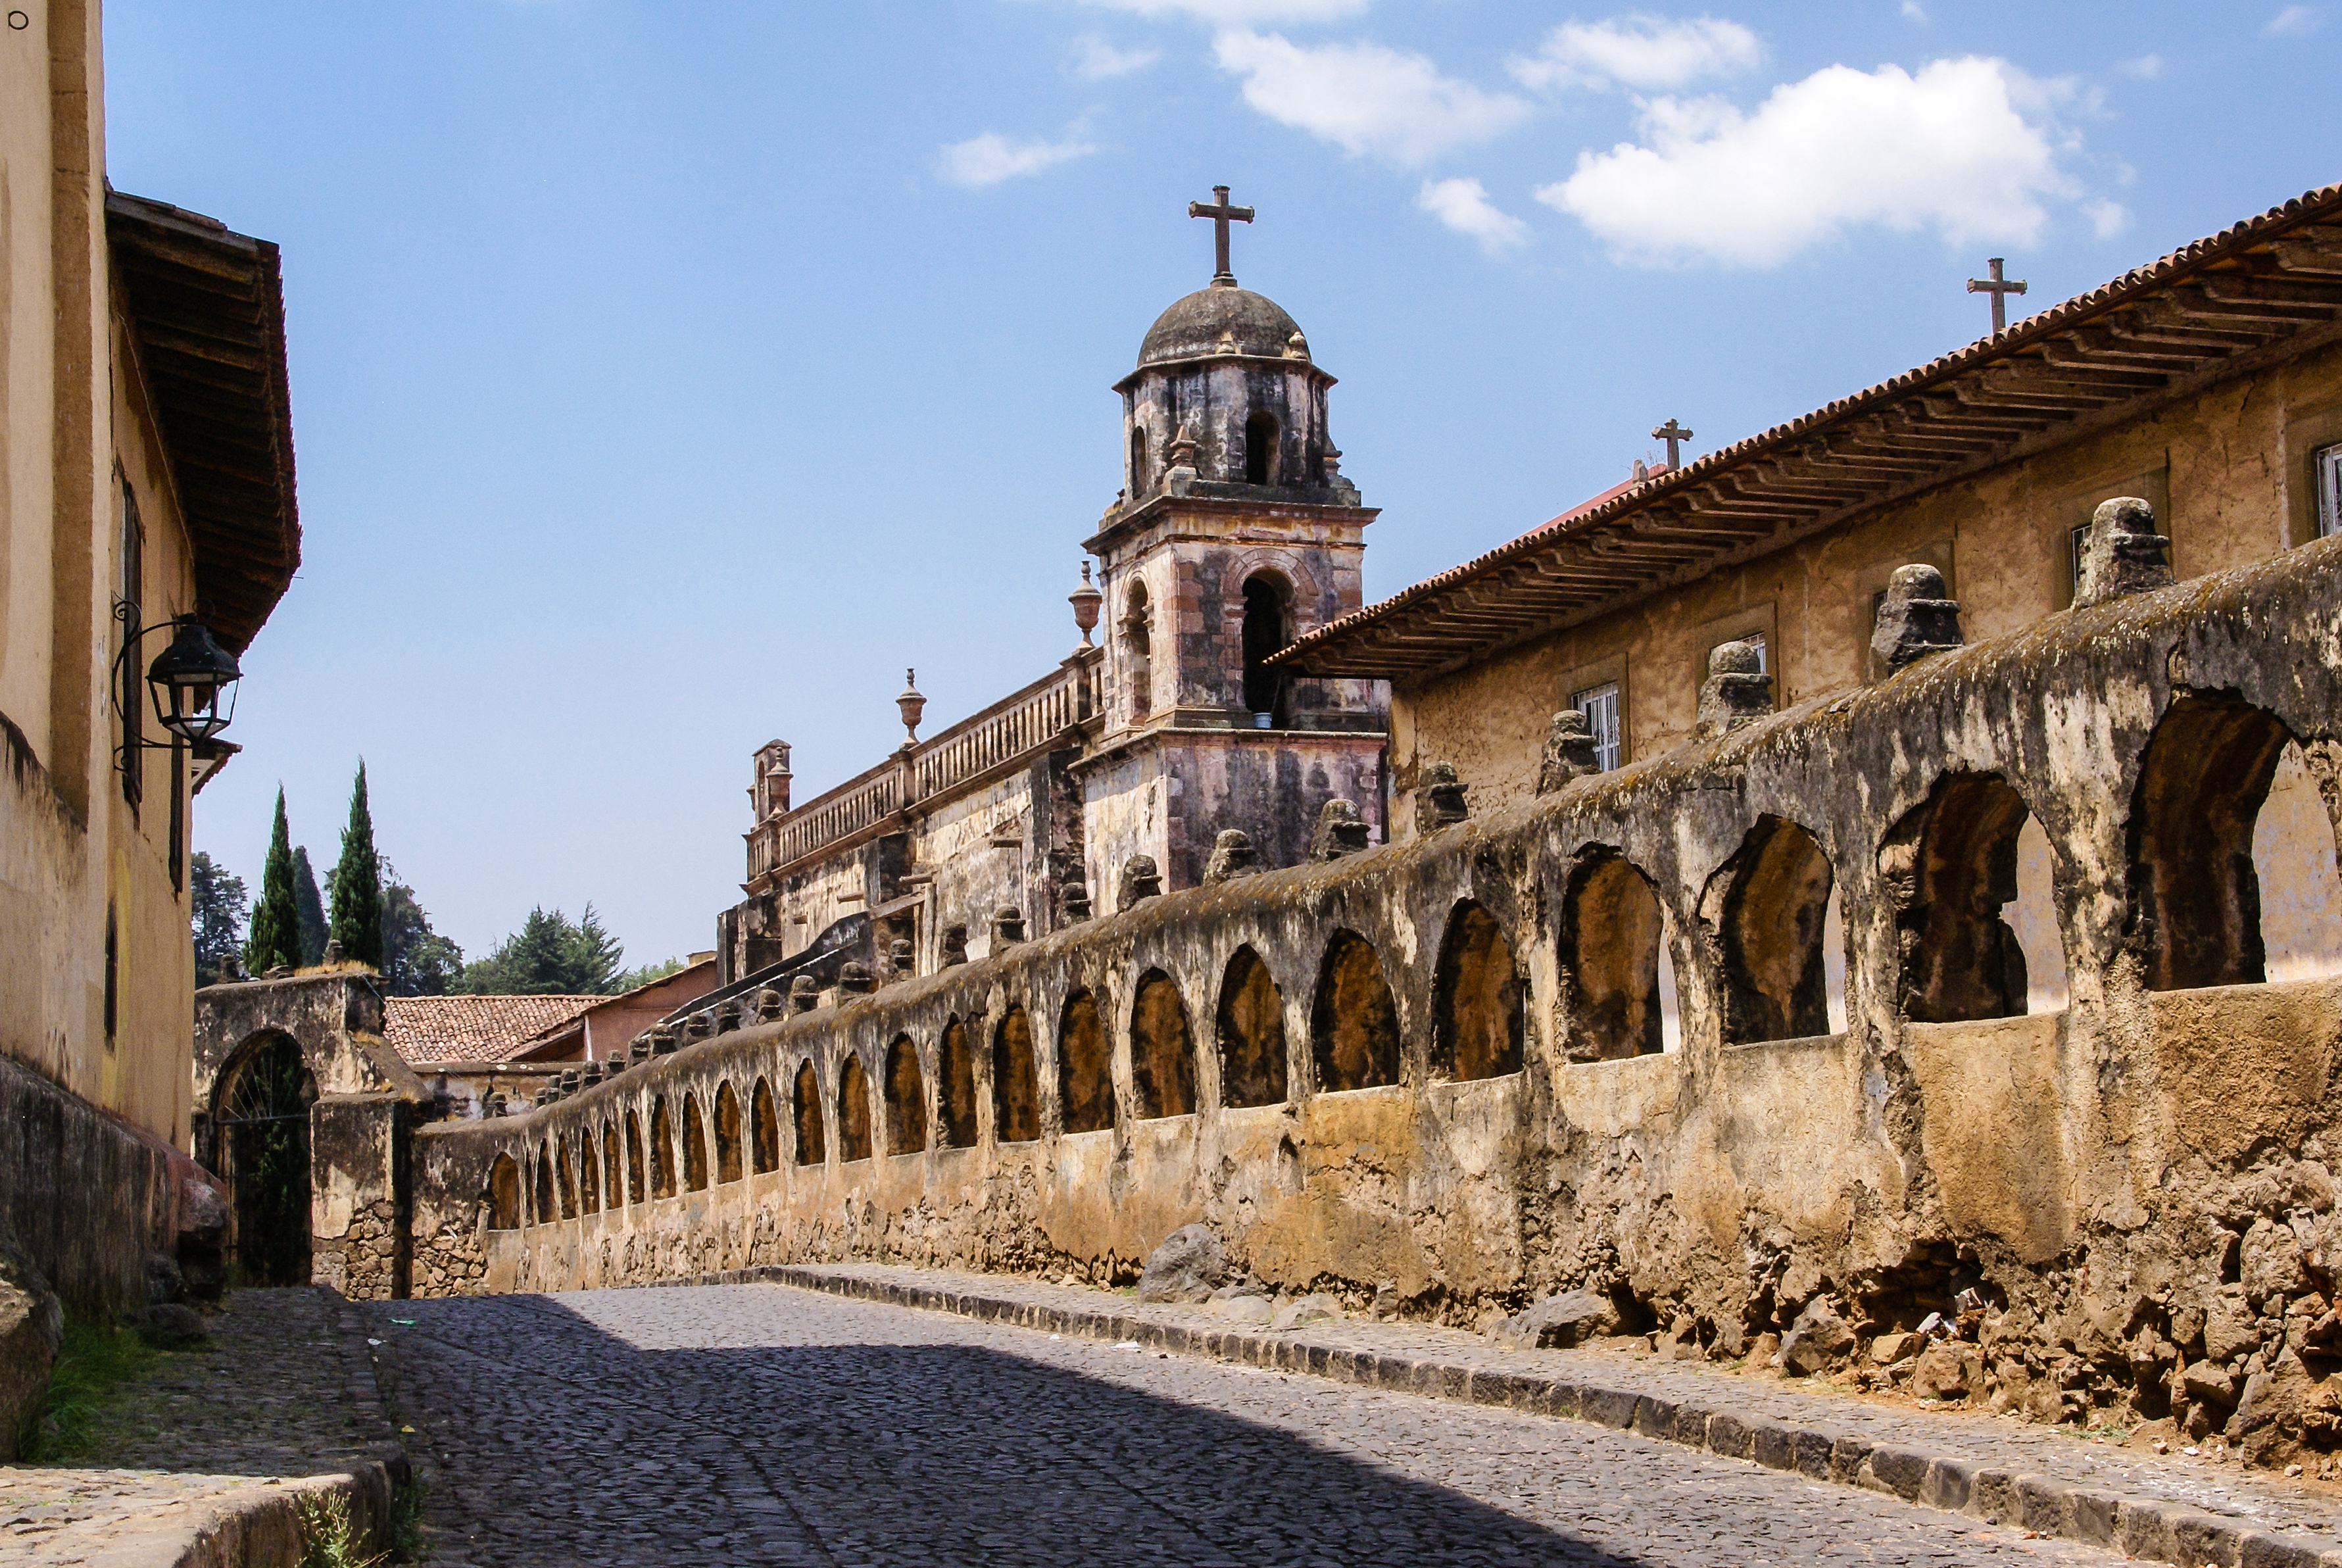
{"type": "Point", "coordinates": [264, 1136]}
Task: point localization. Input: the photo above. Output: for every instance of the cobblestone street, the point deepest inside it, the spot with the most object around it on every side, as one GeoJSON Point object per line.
{"type": "Point", "coordinates": [755, 1424]}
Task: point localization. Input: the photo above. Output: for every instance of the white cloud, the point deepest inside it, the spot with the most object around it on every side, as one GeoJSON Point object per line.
{"type": "Point", "coordinates": [1240, 13]}
{"type": "Point", "coordinates": [1638, 51]}
{"type": "Point", "coordinates": [1914, 11]}
{"type": "Point", "coordinates": [2107, 218]}
{"type": "Point", "coordinates": [1463, 206]}
{"type": "Point", "coordinates": [990, 158]}
{"type": "Point", "coordinates": [1366, 98]}
{"type": "Point", "coordinates": [1096, 60]}
{"type": "Point", "coordinates": [2293, 21]}
{"type": "Point", "coordinates": [1950, 149]}
{"type": "Point", "coordinates": [2146, 68]}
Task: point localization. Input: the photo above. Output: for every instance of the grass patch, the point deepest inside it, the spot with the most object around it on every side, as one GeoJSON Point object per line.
{"type": "Point", "coordinates": [327, 1535]}
{"type": "Point", "coordinates": [406, 1539]}
{"type": "Point", "coordinates": [95, 1361]}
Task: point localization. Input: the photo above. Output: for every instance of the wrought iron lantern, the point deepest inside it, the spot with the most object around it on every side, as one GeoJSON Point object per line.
{"type": "Point", "coordinates": [194, 683]}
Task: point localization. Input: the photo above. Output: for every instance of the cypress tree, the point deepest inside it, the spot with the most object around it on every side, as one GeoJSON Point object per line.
{"type": "Point", "coordinates": [309, 905]}
{"type": "Point", "coordinates": [357, 884]}
{"type": "Point", "coordinates": [275, 921]}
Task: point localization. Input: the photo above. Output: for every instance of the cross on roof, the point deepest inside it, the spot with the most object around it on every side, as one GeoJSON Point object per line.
{"type": "Point", "coordinates": [1221, 215]}
{"type": "Point", "coordinates": [2000, 288]}
{"type": "Point", "coordinates": [1672, 434]}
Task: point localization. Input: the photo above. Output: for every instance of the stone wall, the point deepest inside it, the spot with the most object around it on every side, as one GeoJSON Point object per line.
{"type": "Point", "coordinates": [1438, 1069]}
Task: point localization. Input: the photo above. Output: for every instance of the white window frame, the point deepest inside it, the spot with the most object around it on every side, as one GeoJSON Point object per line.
{"type": "Point", "coordinates": [1605, 717]}
{"type": "Point", "coordinates": [2326, 475]}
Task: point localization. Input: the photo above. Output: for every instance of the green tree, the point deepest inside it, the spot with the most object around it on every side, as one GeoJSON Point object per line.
{"type": "Point", "coordinates": [643, 974]}
{"type": "Point", "coordinates": [275, 922]}
{"type": "Point", "coordinates": [356, 884]}
{"type": "Point", "coordinates": [216, 911]}
{"type": "Point", "coordinates": [550, 954]}
{"type": "Point", "coordinates": [417, 961]}
{"type": "Point", "coordinates": [308, 906]}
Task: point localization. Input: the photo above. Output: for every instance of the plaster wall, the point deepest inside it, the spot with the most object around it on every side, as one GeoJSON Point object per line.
{"type": "Point", "coordinates": [2228, 469]}
{"type": "Point", "coordinates": [2093, 1171]}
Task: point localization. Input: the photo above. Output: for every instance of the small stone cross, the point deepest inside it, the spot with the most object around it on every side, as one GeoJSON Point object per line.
{"type": "Point", "coordinates": [1674, 434]}
{"type": "Point", "coordinates": [2000, 288]}
{"type": "Point", "coordinates": [1222, 214]}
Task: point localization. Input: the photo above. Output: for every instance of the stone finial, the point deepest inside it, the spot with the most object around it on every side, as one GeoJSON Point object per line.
{"type": "Point", "coordinates": [954, 945]}
{"type": "Point", "coordinates": [1340, 831]}
{"type": "Point", "coordinates": [2122, 553]}
{"type": "Point", "coordinates": [1569, 752]}
{"type": "Point", "coordinates": [700, 1026]}
{"type": "Point", "coordinates": [612, 1065]}
{"type": "Point", "coordinates": [1737, 691]}
{"type": "Point", "coordinates": [639, 1050]}
{"type": "Point", "coordinates": [899, 957]}
{"type": "Point", "coordinates": [664, 1042]}
{"type": "Point", "coordinates": [1439, 798]}
{"type": "Point", "coordinates": [768, 1005]}
{"type": "Point", "coordinates": [1296, 346]}
{"type": "Point", "coordinates": [1140, 880]}
{"type": "Point", "coordinates": [1008, 926]}
{"type": "Point", "coordinates": [1179, 474]}
{"type": "Point", "coordinates": [854, 978]}
{"type": "Point", "coordinates": [1233, 855]}
{"type": "Point", "coordinates": [570, 1080]}
{"type": "Point", "coordinates": [592, 1075]}
{"type": "Point", "coordinates": [333, 950]}
{"type": "Point", "coordinates": [1073, 904]}
{"type": "Point", "coordinates": [727, 1018]}
{"type": "Point", "coordinates": [804, 995]}
{"type": "Point", "coordinates": [493, 1104]}
{"type": "Point", "coordinates": [1915, 619]}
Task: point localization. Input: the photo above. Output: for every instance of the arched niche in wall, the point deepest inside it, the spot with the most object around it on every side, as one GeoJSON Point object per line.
{"type": "Point", "coordinates": [1767, 915]}
{"type": "Point", "coordinates": [1616, 978]}
{"type": "Point", "coordinates": [1162, 1049]}
{"type": "Point", "coordinates": [807, 1115]}
{"type": "Point", "coordinates": [956, 1093]}
{"type": "Point", "coordinates": [1251, 1027]}
{"type": "Point", "coordinates": [764, 1128]}
{"type": "Point", "coordinates": [662, 1150]}
{"type": "Point", "coordinates": [1084, 1067]}
{"type": "Point", "coordinates": [1353, 1023]}
{"type": "Point", "coordinates": [1015, 1082]}
{"type": "Point", "coordinates": [503, 1194]}
{"type": "Point", "coordinates": [548, 1207]}
{"type": "Point", "coordinates": [637, 1181]}
{"type": "Point", "coordinates": [1477, 1016]}
{"type": "Point", "coordinates": [694, 1146]}
{"type": "Point", "coordinates": [1949, 870]}
{"type": "Point", "coordinates": [727, 1135]}
{"type": "Point", "coordinates": [2230, 847]}
{"type": "Point", "coordinates": [589, 1173]}
{"type": "Point", "coordinates": [853, 1110]}
{"type": "Point", "coordinates": [613, 1166]}
{"type": "Point", "coordinates": [906, 1099]}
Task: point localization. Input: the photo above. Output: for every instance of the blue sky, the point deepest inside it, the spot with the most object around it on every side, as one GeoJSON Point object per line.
{"type": "Point", "coordinates": [667, 379]}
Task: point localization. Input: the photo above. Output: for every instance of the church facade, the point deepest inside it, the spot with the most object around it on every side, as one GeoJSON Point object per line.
{"type": "Point", "coordinates": [1117, 774]}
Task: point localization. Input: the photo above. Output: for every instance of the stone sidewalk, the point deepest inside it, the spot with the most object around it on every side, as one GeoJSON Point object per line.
{"type": "Point", "coordinates": [201, 1463]}
{"type": "Point", "coordinates": [2169, 1508]}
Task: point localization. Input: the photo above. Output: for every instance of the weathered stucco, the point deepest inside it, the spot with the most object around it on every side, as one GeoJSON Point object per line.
{"type": "Point", "coordinates": [2093, 1174]}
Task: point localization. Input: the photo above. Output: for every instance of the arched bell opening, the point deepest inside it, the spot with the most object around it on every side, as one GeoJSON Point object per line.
{"type": "Point", "coordinates": [260, 1121]}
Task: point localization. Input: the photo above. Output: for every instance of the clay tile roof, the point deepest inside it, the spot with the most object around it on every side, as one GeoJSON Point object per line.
{"type": "Point", "coordinates": [473, 1028]}
{"type": "Point", "coordinates": [2230, 300]}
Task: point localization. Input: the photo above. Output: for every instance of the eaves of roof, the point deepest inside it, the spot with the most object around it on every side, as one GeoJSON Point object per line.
{"type": "Point", "coordinates": [206, 306]}
{"type": "Point", "coordinates": [2218, 307]}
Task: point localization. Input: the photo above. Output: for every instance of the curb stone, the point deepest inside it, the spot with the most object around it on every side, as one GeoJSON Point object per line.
{"type": "Point", "coordinates": [2153, 1528]}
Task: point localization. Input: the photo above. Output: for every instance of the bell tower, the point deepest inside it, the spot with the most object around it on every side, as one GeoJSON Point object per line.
{"type": "Point", "coordinates": [1234, 534]}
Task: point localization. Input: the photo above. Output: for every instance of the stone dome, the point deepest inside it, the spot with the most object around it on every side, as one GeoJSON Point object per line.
{"type": "Point", "coordinates": [1193, 326]}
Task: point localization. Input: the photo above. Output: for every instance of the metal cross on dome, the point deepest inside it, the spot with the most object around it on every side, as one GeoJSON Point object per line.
{"type": "Point", "coordinates": [1222, 214]}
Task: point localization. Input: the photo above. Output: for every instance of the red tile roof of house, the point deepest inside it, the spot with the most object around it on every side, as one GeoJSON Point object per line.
{"type": "Point", "coordinates": [473, 1028]}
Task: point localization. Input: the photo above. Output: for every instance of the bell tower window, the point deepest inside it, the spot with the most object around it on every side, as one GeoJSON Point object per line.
{"type": "Point", "coordinates": [1260, 451]}
{"type": "Point", "coordinates": [1138, 474]}
{"type": "Point", "coordinates": [1136, 651]}
{"type": "Point", "coordinates": [1264, 633]}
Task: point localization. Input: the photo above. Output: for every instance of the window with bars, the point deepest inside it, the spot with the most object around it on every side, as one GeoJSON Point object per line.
{"type": "Point", "coordinates": [1600, 707]}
